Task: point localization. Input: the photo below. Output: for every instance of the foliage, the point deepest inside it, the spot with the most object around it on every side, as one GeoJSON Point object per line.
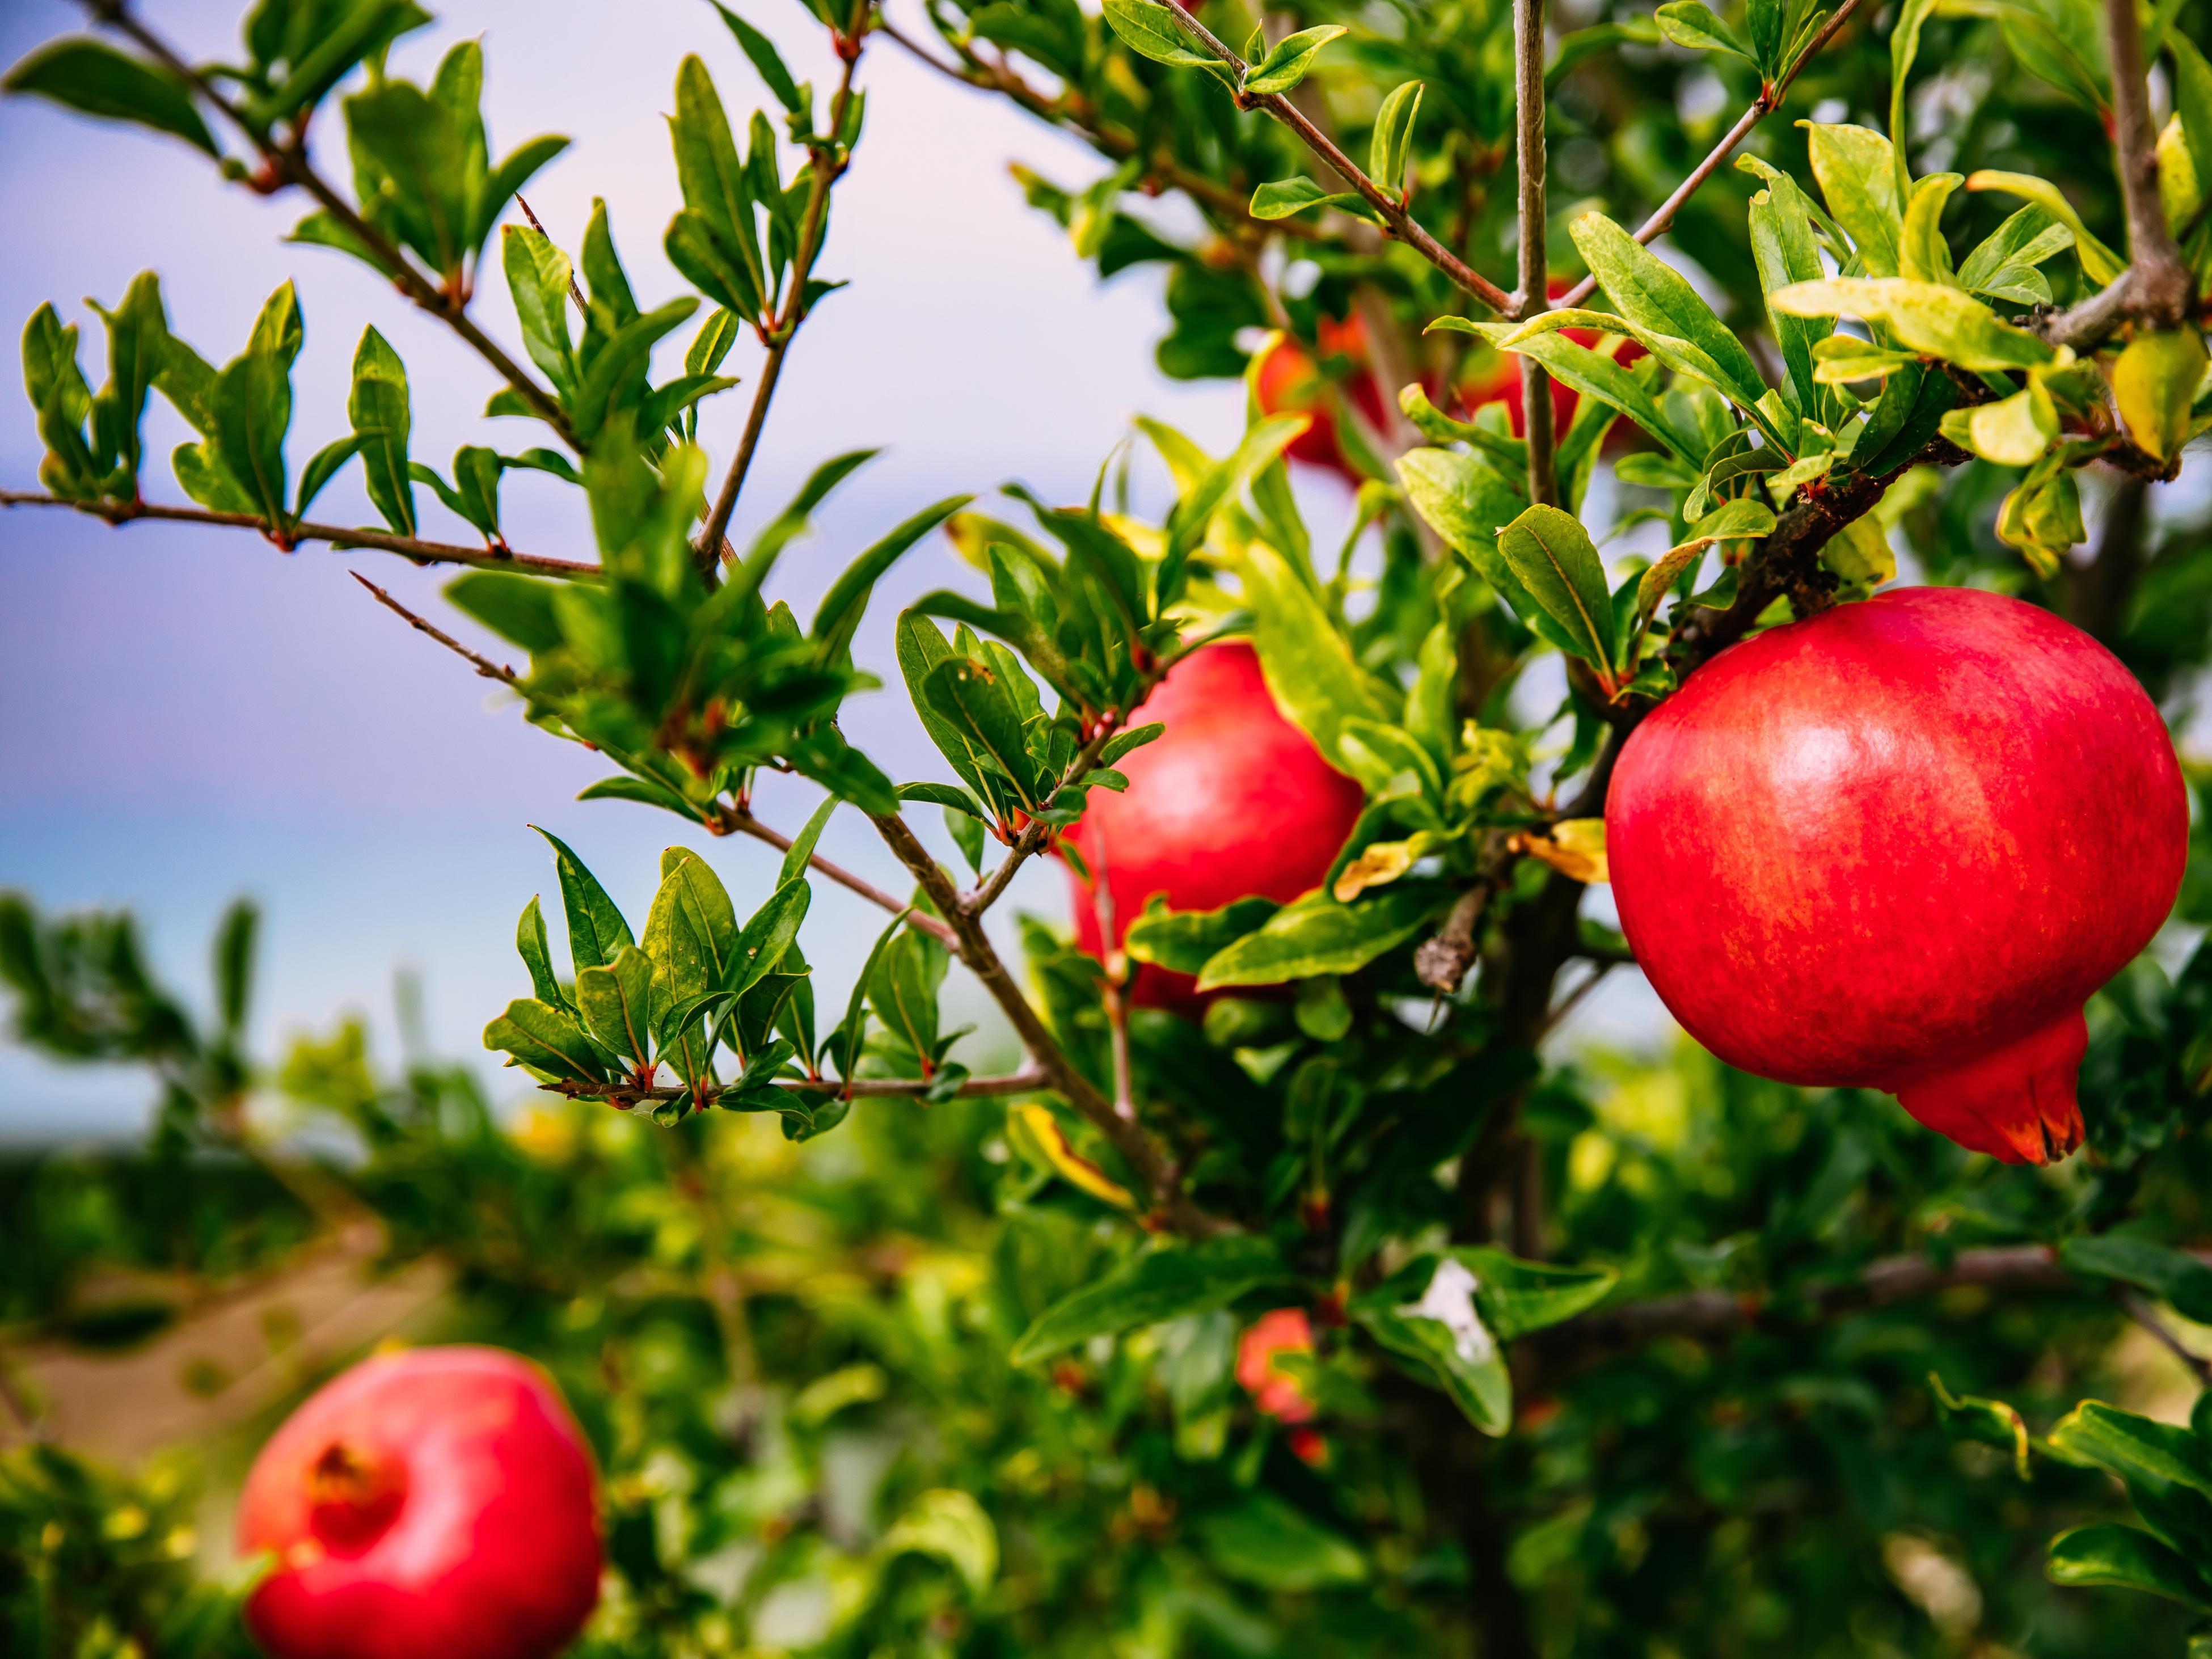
{"type": "Point", "coordinates": [1608, 1355]}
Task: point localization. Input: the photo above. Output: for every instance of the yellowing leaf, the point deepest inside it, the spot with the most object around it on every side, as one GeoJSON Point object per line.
{"type": "Point", "coordinates": [2099, 262]}
{"type": "Point", "coordinates": [2155, 382]}
{"type": "Point", "coordinates": [1052, 1142]}
{"type": "Point", "coordinates": [1384, 861]}
{"type": "Point", "coordinates": [1576, 848]}
{"type": "Point", "coordinates": [1926, 317]}
{"type": "Point", "coordinates": [2014, 431]}
{"type": "Point", "coordinates": [1861, 554]}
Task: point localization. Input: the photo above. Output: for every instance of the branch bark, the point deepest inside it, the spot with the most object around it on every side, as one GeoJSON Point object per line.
{"type": "Point", "coordinates": [483, 664]}
{"type": "Point", "coordinates": [735, 820]}
{"type": "Point", "coordinates": [122, 513]}
{"type": "Point", "coordinates": [1535, 293]}
{"type": "Point", "coordinates": [1388, 204]}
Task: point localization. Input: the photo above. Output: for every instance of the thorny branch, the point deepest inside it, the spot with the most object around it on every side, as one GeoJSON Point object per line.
{"type": "Point", "coordinates": [736, 821]}
{"type": "Point", "coordinates": [483, 664]}
{"type": "Point", "coordinates": [289, 163]}
{"type": "Point", "coordinates": [1533, 296]}
{"type": "Point", "coordinates": [288, 536]}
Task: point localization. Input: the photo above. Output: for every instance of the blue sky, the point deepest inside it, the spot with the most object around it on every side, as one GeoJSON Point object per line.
{"type": "Point", "coordinates": [186, 714]}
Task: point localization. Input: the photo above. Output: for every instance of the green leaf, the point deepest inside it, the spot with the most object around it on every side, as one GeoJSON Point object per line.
{"type": "Point", "coordinates": [2129, 1559]}
{"type": "Point", "coordinates": [379, 407]}
{"type": "Point", "coordinates": [519, 609]}
{"type": "Point", "coordinates": [252, 403]}
{"type": "Point", "coordinates": [322, 466]}
{"type": "Point", "coordinates": [616, 1002]}
{"type": "Point", "coordinates": [1593, 374]}
{"type": "Point", "coordinates": [1691, 24]}
{"type": "Point", "coordinates": [538, 277]}
{"type": "Point", "coordinates": [2131, 1446]}
{"type": "Point", "coordinates": [839, 615]}
{"type": "Point", "coordinates": [715, 242]}
{"type": "Point", "coordinates": [1126, 742]}
{"type": "Point", "coordinates": [1285, 198]}
{"type": "Point", "coordinates": [969, 696]}
{"type": "Point", "coordinates": [529, 944]}
{"type": "Point", "coordinates": [1428, 1317]}
{"type": "Point", "coordinates": [2098, 263]}
{"type": "Point", "coordinates": [2174, 1276]}
{"type": "Point", "coordinates": [794, 520]}
{"type": "Point", "coordinates": [1856, 170]}
{"type": "Point", "coordinates": [1927, 317]}
{"type": "Point", "coordinates": [691, 932]}
{"type": "Point", "coordinates": [950, 1525]}
{"type": "Point", "coordinates": [765, 60]}
{"type": "Point", "coordinates": [2155, 385]}
{"type": "Point", "coordinates": [1287, 63]}
{"type": "Point", "coordinates": [1221, 483]}
{"type": "Point", "coordinates": [802, 846]}
{"type": "Point", "coordinates": [1307, 665]}
{"type": "Point", "coordinates": [768, 934]}
{"type": "Point", "coordinates": [1518, 1296]}
{"type": "Point", "coordinates": [1149, 29]}
{"type": "Point", "coordinates": [1160, 1285]}
{"type": "Point", "coordinates": [1271, 1544]}
{"type": "Point", "coordinates": [1922, 255]}
{"type": "Point", "coordinates": [1184, 941]}
{"type": "Point", "coordinates": [1661, 303]}
{"type": "Point", "coordinates": [234, 962]}
{"type": "Point", "coordinates": [1393, 137]}
{"type": "Point", "coordinates": [544, 1038]}
{"type": "Point", "coordinates": [1989, 1421]}
{"type": "Point", "coordinates": [597, 932]}
{"type": "Point", "coordinates": [620, 359]}
{"type": "Point", "coordinates": [1785, 250]}
{"type": "Point", "coordinates": [1904, 48]}
{"type": "Point", "coordinates": [1317, 935]}
{"type": "Point", "coordinates": [2014, 431]}
{"type": "Point", "coordinates": [83, 75]}
{"type": "Point", "coordinates": [1557, 563]}
{"type": "Point", "coordinates": [2023, 241]}
{"type": "Point", "coordinates": [848, 1042]}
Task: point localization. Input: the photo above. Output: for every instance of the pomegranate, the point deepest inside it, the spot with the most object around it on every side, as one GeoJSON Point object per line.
{"type": "Point", "coordinates": [1231, 801]}
{"type": "Point", "coordinates": [1897, 846]}
{"type": "Point", "coordinates": [437, 1501]}
{"type": "Point", "coordinates": [1275, 1393]}
{"type": "Point", "coordinates": [1290, 382]}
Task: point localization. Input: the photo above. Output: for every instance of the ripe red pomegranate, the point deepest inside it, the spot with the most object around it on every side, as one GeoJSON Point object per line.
{"type": "Point", "coordinates": [1897, 846]}
{"type": "Point", "coordinates": [1231, 801]}
{"type": "Point", "coordinates": [1290, 382]}
{"type": "Point", "coordinates": [438, 1501]}
{"type": "Point", "coordinates": [1275, 1392]}
{"type": "Point", "coordinates": [1496, 378]}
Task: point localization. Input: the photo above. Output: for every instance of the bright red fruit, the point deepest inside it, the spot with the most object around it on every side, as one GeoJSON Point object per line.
{"type": "Point", "coordinates": [1897, 846]}
{"type": "Point", "coordinates": [1277, 1392]}
{"type": "Point", "coordinates": [433, 1501]}
{"type": "Point", "coordinates": [1290, 382]}
{"type": "Point", "coordinates": [1231, 801]}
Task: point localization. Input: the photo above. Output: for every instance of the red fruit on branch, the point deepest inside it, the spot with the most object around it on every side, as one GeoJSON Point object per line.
{"type": "Point", "coordinates": [1274, 1391]}
{"type": "Point", "coordinates": [1898, 846]}
{"type": "Point", "coordinates": [439, 1501]}
{"type": "Point", "coordinates": [1233, 801]}
{"type": "Point", "coordinates": [1290, 382]}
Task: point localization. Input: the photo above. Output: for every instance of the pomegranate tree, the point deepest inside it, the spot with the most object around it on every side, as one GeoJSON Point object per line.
{"type": "Point", "coordinates": [1897, 846]}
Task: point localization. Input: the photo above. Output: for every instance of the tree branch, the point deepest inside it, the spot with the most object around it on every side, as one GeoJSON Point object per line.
{"type": "Point", "coordinates": [1534, 294]}
{"type": "Point", "coordinates": [122, 513]}
{"type": "Point", "coordinates": [289, 163]}
{"type": "Point", "coordinates": [485, 665]}
{"type": "Point", "coordinates": [628, 1095]}
{"type": "Point", "coordinates": [2147, 1316]}
{"type": "Point", "coordinates": [736, 821]}
{"type": "Point", "coordinates": [1171, 1206]}
{"type": "Point", "coordinates": [828, 167]}
{"type": "Point", "coordinates": [1390, 205]}
{"type": "Point", "coordinates": [1769, 99]}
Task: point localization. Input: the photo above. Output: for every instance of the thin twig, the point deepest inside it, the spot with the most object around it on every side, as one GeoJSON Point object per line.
{"type": "Point", "coordinates": [1155, 1170]}
{"type": "Point", "coordinates": [735, 820]}
{"type": "Point", "coordinates": [1114, 992]}
{"type": "Point", "coordinates": [1036, 833]}
{"type": "Point", "coordinates": [828, 165]}
{"type": "Point", "coordinates": [2147, 1316]}
{"type": "Point", "coordinates": [289, 163]}
{"type": "Point", "coordinates": [1535, 270]}
{"type": "Point", "coordinates": [1389, 205]}
{"type": "Point", "coordinates": [122, 513]}
{"type": "Point", "coordinates": [485, 665]}
{"type": "Point", "coordinates": [1769, 99]}
{"type": "Point", "coordinates": [1074, 112]}
{"type": "Point", "coordinates": [575, 288]}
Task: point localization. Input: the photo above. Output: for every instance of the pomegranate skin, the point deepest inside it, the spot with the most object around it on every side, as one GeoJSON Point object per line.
{"type": "Point", "coordinates": [1231, 801]}
{"type": "Point", "coordinates": [1898, 846]}
{"type": "Point", "coordinates": [435, 1501]}
{"type": "Point", "coordinates": [1290, 383]}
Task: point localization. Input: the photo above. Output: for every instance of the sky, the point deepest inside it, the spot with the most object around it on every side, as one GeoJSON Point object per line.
{"type": "Point", "coordinates": [187, 715]}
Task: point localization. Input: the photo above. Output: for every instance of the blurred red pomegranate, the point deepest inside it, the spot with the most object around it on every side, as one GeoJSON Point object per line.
{"type": "Point", "coordinates": [1275, 1392]}
{"type": "Point", "coordinates": [431, 1503]}
{"type": "Point", "coordinates": [1290, 382]}
{"type": "Point", "coordinates": [1231, 801]}
{"type": "Point", "coordinates": [1897, 846]}
{"type": "Point", "coordinates": [1496, 378]}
